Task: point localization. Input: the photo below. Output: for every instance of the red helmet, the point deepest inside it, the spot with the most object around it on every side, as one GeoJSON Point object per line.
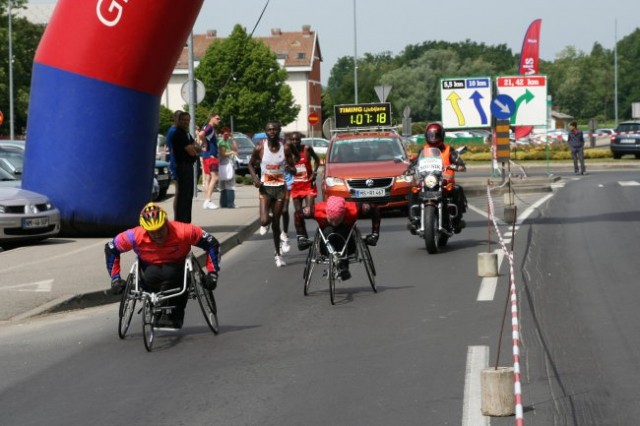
{"type": "Point", "coordinates": [434, 135]}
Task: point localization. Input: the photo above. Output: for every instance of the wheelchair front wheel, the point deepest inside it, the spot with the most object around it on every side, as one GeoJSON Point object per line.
{"type": "Point", "coordinates": [311, 262]}
{"type": "Point", "coordinates": [368, 265]}
{"type": "Point", "coordinates": [206, 299]}
{"type": "Point", "coordinates": [127, 307]}
{"type": "Point", "coordinates": [148, 323]}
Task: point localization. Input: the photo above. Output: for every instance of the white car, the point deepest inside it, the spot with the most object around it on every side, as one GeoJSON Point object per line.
{"type": "Point", "coordinates": [319, 145]}
{"type": "Point", "coordinates": [26, 215]}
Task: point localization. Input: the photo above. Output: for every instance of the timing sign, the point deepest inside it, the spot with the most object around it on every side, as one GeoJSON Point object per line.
{"type": "Point", "coordinates": [465, 102]}
{"type": "Point", "coordinates": [529, 93]}
{"type": "Point", "coordinates": [362, 115]}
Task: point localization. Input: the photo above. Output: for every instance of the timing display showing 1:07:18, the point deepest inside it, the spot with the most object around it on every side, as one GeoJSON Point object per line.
{"type": "Point", "coordinates": [362, 115]}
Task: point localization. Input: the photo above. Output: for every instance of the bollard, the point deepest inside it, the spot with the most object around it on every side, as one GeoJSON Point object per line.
{"type": "Point", "coordinates": [497, 391]}
{"type": "Point", "coordinates": [487, 264]}
{"type": "Point", "coordinates": [510, 214]}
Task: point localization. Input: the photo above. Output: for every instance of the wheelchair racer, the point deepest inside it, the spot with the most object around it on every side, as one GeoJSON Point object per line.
{"type": "Point", "coordinates": [338, 216]}
{"type": "Point", "coordinates": [162, 247]}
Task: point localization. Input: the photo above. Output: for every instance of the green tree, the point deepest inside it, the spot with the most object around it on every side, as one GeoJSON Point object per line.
{"type": "Point", "coordinates": [25, 39]}
{"type": "Point", "coordinates": [244, 80]}
{"type": "Point", "coordinates": [628, 73]}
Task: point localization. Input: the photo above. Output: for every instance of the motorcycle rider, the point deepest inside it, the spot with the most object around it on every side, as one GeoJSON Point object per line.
{"type": "Point", "coordinates": [434, 138]}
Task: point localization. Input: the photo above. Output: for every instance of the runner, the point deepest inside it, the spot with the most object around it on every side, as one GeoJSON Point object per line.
{"type": "Point", "coordinates": [274, 156]}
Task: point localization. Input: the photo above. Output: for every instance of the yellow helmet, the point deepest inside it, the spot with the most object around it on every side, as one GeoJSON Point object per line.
{"type": "Point", "coordinates": [152, 217]}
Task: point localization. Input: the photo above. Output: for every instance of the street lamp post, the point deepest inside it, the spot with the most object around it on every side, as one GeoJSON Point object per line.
{"type": "Point", "coordinates": [355, 54]}
{"type": "Point", "coordinates": [10, 75]}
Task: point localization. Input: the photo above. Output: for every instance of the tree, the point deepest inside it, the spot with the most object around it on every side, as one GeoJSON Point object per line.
{"type": "Point", "coordinates": [243, 79]}
{"type": "Point", "coordinates": [25, 39]}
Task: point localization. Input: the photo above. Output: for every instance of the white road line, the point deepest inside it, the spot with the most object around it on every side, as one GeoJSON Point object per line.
{"type": "Point", "coordinates": [628, 183]}
{"type": "Point", "coordinates": [477, 360]}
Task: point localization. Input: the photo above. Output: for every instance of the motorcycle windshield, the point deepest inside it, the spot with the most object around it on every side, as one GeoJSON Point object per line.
{"type": "Point", "coordinates": [430, 161]}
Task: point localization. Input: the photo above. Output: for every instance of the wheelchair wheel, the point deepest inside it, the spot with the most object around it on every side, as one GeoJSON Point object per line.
{"type": "Point", "coordinates": [333, 270]}
{"type": "Point", "coordinates": [206, 299]}
{"type": "Point", "coordinates": [127, 307]}
{"type": "Point", "coordinates": [148, 323]}
{"type": "Point", "coordinates": [368, 264]}
{"type": "Point", "coordinates": [310, 264]}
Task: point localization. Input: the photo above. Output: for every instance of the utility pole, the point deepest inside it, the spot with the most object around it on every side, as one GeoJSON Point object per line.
{"type": "Point", "coordinates": [11, 124]}
{"type": "Point", "coordinates": [355, 54]}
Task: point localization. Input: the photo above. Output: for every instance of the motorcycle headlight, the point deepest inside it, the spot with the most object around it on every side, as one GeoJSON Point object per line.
{"type": "Point", "coordinates": [333, 181]}
{"type": "Point", "coordinates": [430, 181]}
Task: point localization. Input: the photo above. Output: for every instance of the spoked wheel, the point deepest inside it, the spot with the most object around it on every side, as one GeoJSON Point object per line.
{"type": "Point", "coordinates": [206, 299]}
{"type": "Point", "coordinates": [127, 307]}
{"type": "Point", "coordinates": [430, 221]}
{"type": "Point", "coordinates": [368, 264]}
{"type": "Point", "coordinates": [333, 270]}
{"type": "Point", "coordinates": [310, 265]}
{"type": "Point", "coordinates": [148, 323]}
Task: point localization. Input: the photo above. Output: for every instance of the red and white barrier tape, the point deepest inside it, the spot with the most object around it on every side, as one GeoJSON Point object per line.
{"type": "Point", "coordinates": [515, 325]}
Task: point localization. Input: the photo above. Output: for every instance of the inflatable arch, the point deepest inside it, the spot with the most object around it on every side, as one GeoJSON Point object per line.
{"type": "Point", "coordinates": [98, 76]}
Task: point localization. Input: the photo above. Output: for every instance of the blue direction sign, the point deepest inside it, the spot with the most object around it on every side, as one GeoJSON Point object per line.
{"type": "Point", "coordinates": [503, 107]}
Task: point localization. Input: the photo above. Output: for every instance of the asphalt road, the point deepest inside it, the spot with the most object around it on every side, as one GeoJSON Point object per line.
{"type": "Point", "coordinates": [408, 355]}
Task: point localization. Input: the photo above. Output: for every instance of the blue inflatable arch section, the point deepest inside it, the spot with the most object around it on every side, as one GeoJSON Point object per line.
{"type": "Point", "coordinates": [98, 77]}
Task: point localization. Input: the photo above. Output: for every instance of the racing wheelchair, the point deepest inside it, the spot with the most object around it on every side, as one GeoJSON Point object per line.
{"type": "Point", "coordinates": [322, 252]}
{"type": "Point", "coordinates": [152, 306]}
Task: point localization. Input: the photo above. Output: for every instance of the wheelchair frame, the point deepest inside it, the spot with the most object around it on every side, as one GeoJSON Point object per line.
{"type": "Point", "coordinates": [333, 258]}
{"type": "Point", "coordinates": [193, 284]}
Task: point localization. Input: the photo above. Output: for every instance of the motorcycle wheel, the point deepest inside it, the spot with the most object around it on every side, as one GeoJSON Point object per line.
{"type": "Point", "coordinates": [430, 221]}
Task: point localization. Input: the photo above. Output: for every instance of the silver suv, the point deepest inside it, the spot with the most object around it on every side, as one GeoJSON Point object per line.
{"type": "Point", "coordinates": [626, 139]}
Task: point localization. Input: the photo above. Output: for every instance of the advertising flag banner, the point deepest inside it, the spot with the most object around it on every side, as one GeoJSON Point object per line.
{"type": "Point", "coordinates": [529, 62]}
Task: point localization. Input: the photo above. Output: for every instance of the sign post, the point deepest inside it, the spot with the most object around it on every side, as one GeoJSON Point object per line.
{"type": "Point", "coordinates": [313, 119]}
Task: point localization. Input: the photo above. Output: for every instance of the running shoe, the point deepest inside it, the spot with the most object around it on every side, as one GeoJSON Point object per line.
{"type": "Point", "coordinates": [303, 243]}
{"type": "Point", "coordinates": [264, 230]}
{"type": "Point", "coordinates": [284, 246]}
{"type": "Point", "coordinates": [280, 261]}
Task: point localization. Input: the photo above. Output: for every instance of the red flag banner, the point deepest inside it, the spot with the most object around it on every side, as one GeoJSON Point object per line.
{"type": "Point", "coordinates": [529, 63]}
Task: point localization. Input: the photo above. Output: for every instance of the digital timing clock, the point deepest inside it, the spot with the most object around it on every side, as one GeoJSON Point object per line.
{"type": "Point", "coordinates": [362, 115]}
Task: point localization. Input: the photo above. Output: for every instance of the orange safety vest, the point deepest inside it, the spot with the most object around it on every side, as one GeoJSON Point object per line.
{"type": "Point", "coordinates": [448, 175]}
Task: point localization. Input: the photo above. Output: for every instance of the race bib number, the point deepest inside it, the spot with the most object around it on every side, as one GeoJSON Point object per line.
{"type": "Point", "coordinates": [430, 164]}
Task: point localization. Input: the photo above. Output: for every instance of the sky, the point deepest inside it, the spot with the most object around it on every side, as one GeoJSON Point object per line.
{"type": "Point", "coordinates": [389, 26]}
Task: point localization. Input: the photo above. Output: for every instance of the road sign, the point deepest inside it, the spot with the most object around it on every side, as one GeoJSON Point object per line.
{"type": "Point", "coordinates": [503, 107]}
{"type": "Point", "coordinates": [529, 93]}
{"type": "Point", "coordinates": [313, 118]}
{"type": "Point", "coordinates": [465, 102]}
{"type": "Point", "coordinates": [200, 91]}
{"type": "Point", "coordinates": [382, 92]}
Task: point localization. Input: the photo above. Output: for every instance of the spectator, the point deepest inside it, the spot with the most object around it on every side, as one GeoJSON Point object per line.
{"type": "Point", "coordinates": [576, 143]}
{"type": "Point", "coordinates": [210, 160]}
{"type": "Point", "coordinates": [226, 172]}
{"type": "Point", "coordinates": [185, 150]}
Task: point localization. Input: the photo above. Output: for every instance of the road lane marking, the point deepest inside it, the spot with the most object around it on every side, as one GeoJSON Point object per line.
{"type": "Point", "coordinates": [41, 260]}
{"type": "Point", "coordinates": [477, 360]}
{"type": "Point", "coordinates": [628, 183]}
{"type": "Point", "coordinates": [37, 287]}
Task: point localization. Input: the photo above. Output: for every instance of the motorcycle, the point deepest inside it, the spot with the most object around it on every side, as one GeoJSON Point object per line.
{"type": "Point", "coordinates": [434, 191]}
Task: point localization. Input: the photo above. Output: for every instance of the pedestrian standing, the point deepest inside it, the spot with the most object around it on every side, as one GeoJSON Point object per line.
{"type": "Point", "coordinates": [185, 150]}
{"type": "Point", "coordinates": [210, 160]}
{"type": "Point", "coordinates": [172, 158]}
{"type": "Point", "coordinates": [576, 143]}
{"type": "Point", "coordinates": [227, 172]}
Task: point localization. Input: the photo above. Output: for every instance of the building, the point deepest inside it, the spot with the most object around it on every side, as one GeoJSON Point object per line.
{"type": "Point", "coordinates": [298, 52]}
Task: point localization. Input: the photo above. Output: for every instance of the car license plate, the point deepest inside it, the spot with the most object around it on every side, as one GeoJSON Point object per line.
{"type": "Point", "coordinates": [373, 192]}
{"type": "Point", "coordinates": [162, 177]}
{"type": "Point", "coordinates": [627, 140]}
{"type": "Point", "coordinates": [35, 222]}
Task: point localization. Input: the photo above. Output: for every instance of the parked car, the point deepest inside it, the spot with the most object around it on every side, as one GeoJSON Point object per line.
{"type": "Point", "coordinates": [12, 159]}
{"type": "Point", "coordinates": [367, 166]}
{"type": "Point", "coordinates": [604, 132]}
{"type": "Point", "coordinates": [626, 139]}
{"type": "Point", "coordinates": [26, 215]}
{"type": "Point", "coordinates": [319, 145]}
{"type": "Point", "coordinates": [245, 148]}
{"type": "Point", "coordinates": [163, 179]}
{"type": "Point", "coordinates": [8, 180]}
